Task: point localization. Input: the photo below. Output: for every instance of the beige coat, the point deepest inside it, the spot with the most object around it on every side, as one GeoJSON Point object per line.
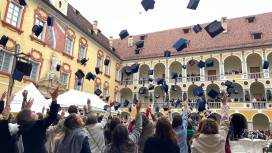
{"type": "Point", "coordinates": [213, 143]}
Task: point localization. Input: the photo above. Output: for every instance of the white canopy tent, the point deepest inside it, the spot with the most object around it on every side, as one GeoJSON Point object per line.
{"type": "Point", "coordinates": [33, 92]}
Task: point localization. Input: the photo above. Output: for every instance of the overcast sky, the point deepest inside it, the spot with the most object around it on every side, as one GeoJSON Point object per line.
{"type": "Point", "coordinates": [116, 15]}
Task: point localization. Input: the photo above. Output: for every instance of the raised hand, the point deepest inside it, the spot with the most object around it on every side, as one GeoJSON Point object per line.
{"type": "Point", "coordinates": [169, 107]}
{"type": "Point", "coordinates": [186, 103]}
{"type": "Point", "coordinates": [4, 95]}
{"type": "Point", "coordinates": [224, 99]}
{"type": "Point", "coordinates": [149, 109]}
{"type": "Point", "coordinates": [43, 110]}
{"type": "Point", "coordinates": [85, 108]}
{"type": "Point", "coordinates": [138, 106]}
{"type": "Point", "coordinates": [55, 94]}
{"type": "Point", "coordinates": [62, 114]}
{"type": "Point", "coordinates": [9, 100]}
{"type": "Point", "coordinates": [112, 104]}
{"type": "Point", "coordinates": [88, 102]}
{"type": "Point", "coordinates": [25, 93]}
{"type": "Point", "coordinates": [29, 104]}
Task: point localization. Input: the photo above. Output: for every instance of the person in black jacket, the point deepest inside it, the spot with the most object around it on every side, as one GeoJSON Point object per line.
{"type": "Point", "coordinates": [33, 131]}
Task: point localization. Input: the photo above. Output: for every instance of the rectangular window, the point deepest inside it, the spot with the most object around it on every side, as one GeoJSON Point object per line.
{"type": "Point", "coordinates": [68, 45]}
{"type": "Point", "coordinates": [97, 87]}
{"type": "Point", "coordinates": [185, 31]}
{"type": "Point", "coordinates": [82, 52]}
{"type": "Point", "coordinates": [117, 75]}
{"type": "Point", "coordinates": [65, 78]}
{"type": "Point", "coordinates": [105, 92]}
{"type": "Point", "coordinates": [78, 87]}
{"type": "Point", "coordinates": [108, 69]}
{"type": "Point", "coordinates": [257, 35]}
{"type": "Point", "coordinates": [251, 19]}
{"type": "Point", "coordinates": [115, 96]}
{"type": "Point", "coordinates": [100, 63]}
{"type": "Point", "coordinates": [5, 62]}
{"type": "Point", "coordinates": [35, 70]}
{"type": "Point", "coordinates": [14, 14]}
{"type": "Point", "coordinates": [42, 23]}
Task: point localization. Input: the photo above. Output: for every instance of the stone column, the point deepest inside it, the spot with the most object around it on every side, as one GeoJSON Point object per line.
{"type": "Point", "coordinates": [250, 126]}
{"type": "Point", "coordinates": [184, 72]}
{"type": "Point", "coordinates": [167, 72]}
{"type": "Point", "coordinates": [270, 126]}
{"type": "Point", "coordinates": [221, 67]}
{"type": "Point", "coordinates": [244, 66]}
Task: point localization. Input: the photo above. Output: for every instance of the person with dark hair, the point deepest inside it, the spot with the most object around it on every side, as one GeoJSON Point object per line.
{"type": "Point", "coordinates": [95, 131]}
{"type": "Point", "coordinates": [179, 125]}
{"type": "Point", "coordinates": [100, 118]}
{"type": "Point", "coordinates": [164, 139]}
{"type": "Point", "coordinates": [212, 138]}
{"type": "Point", "coordinates": [122, 141]}
{"type": "Point", "coordinates": [72, 109]}
{"type": "Point", "coordinates": [190, 133]}
{"type": "Point", "coordinates": [33, 131]}
{"type": "Point", "coordinates": [109, 129]}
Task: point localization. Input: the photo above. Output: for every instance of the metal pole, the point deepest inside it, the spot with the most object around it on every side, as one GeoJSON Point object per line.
{"type": "Point", "coordinates": [11, 80]}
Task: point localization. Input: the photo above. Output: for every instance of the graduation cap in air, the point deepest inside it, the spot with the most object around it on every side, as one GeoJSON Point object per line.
{"type": "Point", "coordinates": [90, 76]}
{"type": "Point", "coordinates": [236, 92]}
{"type": "Point", "coordinates": [79, 82]}
{"type": "Point", "coordinates": [193, 4]}
{"type": "Point", "coordinates": [23, 3]}
{"type": "Point", "coordinates": [180, 44]}
{"type": "Point", "coordinates": [150, 72]}
{"type": "Point", "coordinates": [98, 92]}
{"type": "Point", "coordinates": [174, 87]}
{"type": "Point", "coordinates": [213, 94]}
{"type": "Point", "coordinates": [149, 79]}
{"type": "Point", "coordinates": [37, 29]}
{"type": "Point", "coordinates": [230, 90]}
{"type": "Point", "coordinates": [184, 66]}
{"type": "Point", "coordinates": [209, 63]}
{"type": "Point", "coordinates": [214, 28]}
{"type": "Point", "coordinates": [79, 74]}
{"type": "Point", "coordinates": [58, 67]}
{"type": "Point", "coordinates": [197, 28]}
{"type": "Point", "coordinates": [106, 107]}
{"type": "Point", "coordinates": [140, 44]}
{"type": "Point", "coordinates": [24, 67]}
{"type": "Point", "coordinates": [135, 100]}
{"type": "Point", "coordinates": [198, 91]}
{"type": "Point", "coordinates": [128, 71]}
{"type": "Point", "coordinates": [201, 105]}
{"type": "Point", "coordinates": [126, 103]}
{"type": "Point", "coordinates": [18, 75]}
{"type": "Point", "coordinates": [107, 98]}
{"type": "Point", "coordinates": [106, 62]}
{"type": "Point", "coordinates": [178, 102]}
{"type": "Point", "coordinates": [83, 61]}
{"type": "Point", "coordinates": [50, 21]}
{"type": "Point", "coordinates": [151, 87]}
{"type": "Point", "coordinates": [129, 109]}
{"type": "Point", "coordinates": [174, 75]}
{"type": "Point", "coordinates": [4, 40]}
{"type": "Point", "coordinates": [192, 62]}
{"type": "Point", "coordinates": [212, 116]}
{"type": "Point", "coordinates": [201, 64]}
{"type": "Point", "coordinates": [157, 109]}
{"type": "Point", "coordinates": [265, 65]}
{"type": "Point", "coordinates": [97, 70]}
{"type": "Point", "coordinates": [165, 87]}
{"type": "Point", "coordinates": [123, 34]}
{"type": "Point", "coordinates": [167, 53]}
{"type": "Point", "coordinates": [142, 90]}
{"type": "Point", "coordinates": [228, 83]}
{"type": "Point", "coordinates": [157, 96]}
{"type": "Point", "coordinates": [148, 4]}
{"type": "Point", "coordinates": [135, 68]}
{"type": "Point", "coordinates": [165, 107]}
{"type": "Point", "coordinates": [160, 81]}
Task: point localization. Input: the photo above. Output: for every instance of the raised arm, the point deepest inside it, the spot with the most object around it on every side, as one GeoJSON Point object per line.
{"type": "Point", "coordinates": [107, 114]}
{"type": "Point", "coordinates": [57, 128]}
{"type": "Point", "coordinates": [2, 102]}
{"type": "Point", "coordinates": [154, 119]}
{"type": "Point", "coordinates": [137, 130]}
{"type": "Point", "coordinates": [6, 110]}
{"type": "Point", "coordinates": [224, 123]}
{"type": "Point", "coordinates": [25, 93]}
{"type": "Point", "coordinates": [185, 114]}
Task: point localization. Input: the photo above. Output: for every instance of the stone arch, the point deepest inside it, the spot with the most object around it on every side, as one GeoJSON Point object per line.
{"type": "Point", "coordinates": [195, 70]}
{"type": "Point", "coordinates": [175, 66]}
{"type": "Point", "coordinates": [176, 94]}
{"type": "Point", "coordinates": [254, 65]}
{"type": "Point", "coordinates": [212, 73]}
{"type": "Point", "coordinates": [124, 76]}
{"type": "Point", "coordinates": [125, 115]}
{"type": "Point", "coordinates": [257, 90]}
{"type": "Point", "coordinates": [239, 122]}
{"type": "Point", "coordinates": [214, 87]}
{"type": "Point", "coordinates": [240, 94]}
{"type": "Point", "coordinates": [260, 121]}
{"type": "Point", "coordinates": [143, 71]}
{"type": "Point", "coordinates": [232, 63]}
{"type": "Point", "coordinates": [190, 92]}
{"type": "Point", "coordinates": [269, 59]}
{"type": "Point", "coordinates": [126, 93]}
{"type": "Point", "coordinates": [144, 97]}
{"type": "Point", "coordinates": [158, 90]}
{"type": "Point", "coordinates": [159, 71]}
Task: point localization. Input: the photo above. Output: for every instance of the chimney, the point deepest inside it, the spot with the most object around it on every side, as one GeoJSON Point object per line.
{"type": "Point", "coordinates": [224, 24]}
{"type": "Point", "coordinates": [95, 27]}
{"type": "Point", "coordinates": [130, 41]}
{"type": "Point", "coordinates": [111, 41]}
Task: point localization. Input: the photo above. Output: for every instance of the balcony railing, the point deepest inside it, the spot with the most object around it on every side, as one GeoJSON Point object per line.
{"type": "Point", "coordinates": [143, 81]}
{"type": "Point", "coordinates": [214, 105]}
{"type": "Point", "coordinates": [255, 75]}
{"type": "Point", "coordinates": [179, 79]}
{"type": "Point", "coordinates": [259, 105]}
{"type": "Point", "coordinates": [126, 82]}
{"type": "Point", "coordinates": [212, 77]}
{"type": "Point", "coordinates": [193, 79]}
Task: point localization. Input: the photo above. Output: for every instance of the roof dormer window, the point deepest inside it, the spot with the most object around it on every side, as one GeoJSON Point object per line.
{"type": "Point", "coordinates": [142, 37]}
{"type": "Point", "coordinates": [185, 31]}
{"type": "Point", "coordinates": [251, 19]}
{"type": "Point", "coordinates": [257, 35]}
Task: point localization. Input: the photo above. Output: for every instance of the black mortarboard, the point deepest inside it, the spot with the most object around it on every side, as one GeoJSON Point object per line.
{"type": "Point", "coordinates": [165, 87]}
{"type": "Point", "coordinates": [90, 76]}
{"type": "Point", "coordinates": [126, 103]}
{"type": "Point", "coordinates": [97, 70]}
{"type": "Point", "coordinates": [135, 100]}
{"type": "Point", "coordinates": [197, 28]}
{"type": "Point", "coordinates": [209, 63]}
{"type": "Point", "coordinates": [213, 94]}
{"type": "Point", "coordinates": [157, 96]}
{"type": "Point", "coordinates": [180, 44]}
{"type": "Point", "coordinates": [228, 83]}
{"type": "Point", "coordinates": [101, 97]}
{"type": "Point", "coordinates": [18, 75]}
{"type": "Point", "coordinates": [174, 88]}
{"type": "Point", "coordinates": [140, 44]}
{"type": "Point", "coordinates": [58, 67]}
{"type": "Point", "coordinates": [214, 28]}
{"type": "Point", "coordinates": [106, 62]}
{"type": "Point", "coordinates": [184, 66]}
{"type": "Point", "coordinates": [167, 53]}
{"type": "Point", "coordinates": [79, 82]}
{"type": "Point", "coordinates": [98, 92]}
{"type": "Point", "coordinates": [198, 91]}
{"type": "Point", "coordinates": [50, 21]}
{"type": "Point", "coordinates": [4, 40]}
{"type": "Point", "coordinates": [192, 62]}
{"type": "Point", "coordinates": [157, 109]}
{"type": "Point", "coordinates": [212, 115]}
{"type": "Point", "coordinates": [230, 90]}
{"type": "Point", "coordinates": [201, 105]}
{"type": "Point", "coordinates": [149, 79]}
{"type": "Point", "coordinates": [23, 3]}
{"type": "Point", "coordinates": [80, 74]}
{"type": "Point", "coordinates": [142, 90]}
{"type": "Point", "coordinates": [83, 61]}
{"type": "Point", "coordinates": [193, 4]}
{"type": "Point", "coordinates": [24, 67]}
{"type": "Point", "coordinates": [107, 98]}
{"type": "Point", "coordinates": [37, 29]}
{"type": "Point", "coordinates": [123, 34]}
{"type": "Point", "coordinates": [165, 107]}
{"type": "Point", "coordinates": [150, 72]}
{"type": "Point", "coordinates": [135, 68]}
{"type": "Point", "coordinates": [178, 102]}
{"type": "Point", "coordinates": [265, 65]}
{"type": "Point", "coordinates": [236, 92]}
{"type": "Point", "coordinates": [201, 64]}
{"type": "Point", "coordinates": [160, 81]}
{"type": "Point", "coordinates": [129, 109]}
{"type": "Point", "coordinates": [151, 87]}
{"type": "Point", "coordinates": [128, 71]}
{"type": "Point", "coordinates": [106, 107]}
{"type": "Point", "coordinates": [174, 75]}
{"type": "Point", "coordinates": [148, 4]}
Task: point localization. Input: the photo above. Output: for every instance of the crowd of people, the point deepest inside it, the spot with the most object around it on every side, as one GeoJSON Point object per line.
{"type": "Point", "coordinates": [31, 132]}
{"type": "Point", "coordinates": [233, 72]}
{"type": "Point", "coordinates": [256, 134]}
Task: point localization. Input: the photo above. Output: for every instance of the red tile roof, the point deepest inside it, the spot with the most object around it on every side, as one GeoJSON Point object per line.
{"type": "Point", "coordinates": [239, 35]}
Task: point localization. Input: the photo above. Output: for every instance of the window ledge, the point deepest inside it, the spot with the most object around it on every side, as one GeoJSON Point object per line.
{"type": "Point", "coordinates": [11, 27]}
{"type": "Point", "coordinates": [67, 55]}
{"type": "Point", "coordinates": [38, 40]}
{"type": "Point", "coordinates": [79, 61]}
{"type": "Point", "coordinates": [107, 75]}
{"type": "Point", "coordinates": [117, 81]}
{"type": "Point", "coordinates": [5, 73]}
